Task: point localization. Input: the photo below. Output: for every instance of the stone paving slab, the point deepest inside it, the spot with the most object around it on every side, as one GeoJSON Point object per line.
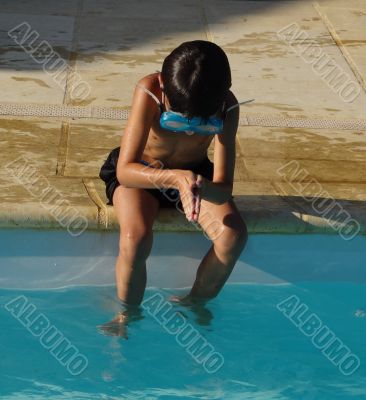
{"type": "Point", "coordinates": [15, 58]}
{"type": "Point", "coordinates": [54, 29]}
{"type": "Point", "coordinates": [96, 134]}
{"type": "Point", "coordinates": [310, 190]}
{"type": "Point", "coordinates": [111, 89]}
{"type": "Point", "coordinates": [356, 4]}
{"type": "Point", "coordinates": [39, 7]}
{"type": "Point", "coordinates": [303, 144]}
{"type": "Point", "coordinates": [118, 59]}
{"type": "Point", "coordinates": [30, 132]}
{"type": "Point", "coordinates": [30, 86]}
{"type": "Point", "coordinates": [32, 142]}
{"type": "Point", "coordinates": [84, 161]}
{"type": "Point", "coordinates": [129, 31]}
{"type": "Point", "coordinates": [52, 202]}
{"type": "Point", "coordinates": [172, 10]}
{"type": "Point", "coordinates": [264, 169]}
{"type": "Point", "coordinates": [253, 46]}
{"type": "Point", "coordinates": [344, 217]}
{"type": "Point", "coordinates": [348, 29]}
{"type": "Point", "coordinates": [347, 20]}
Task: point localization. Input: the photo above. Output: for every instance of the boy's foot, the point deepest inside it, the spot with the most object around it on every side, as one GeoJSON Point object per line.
{"type": "Point", "coordinates": [184, 300]}
{"type": "Point", "coordinates": [118, 325]}
{"type": "Point", "coordinates": [198, 306]}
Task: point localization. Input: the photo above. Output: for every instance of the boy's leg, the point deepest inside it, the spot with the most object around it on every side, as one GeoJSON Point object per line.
{"type": "Point", "coordinates": [223, 224]}
{"type": "Point", "coordinates": [136, 210]}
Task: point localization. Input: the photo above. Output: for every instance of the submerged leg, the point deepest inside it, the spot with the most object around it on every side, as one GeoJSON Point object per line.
{"type": "Point", "coordinates": [227, 230]}
{"type": "Point", "coordinates": [136, 210]}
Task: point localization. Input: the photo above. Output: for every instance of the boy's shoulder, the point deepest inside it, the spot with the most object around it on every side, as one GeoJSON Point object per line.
{"type": "Point", "coordinates": [150, 81]}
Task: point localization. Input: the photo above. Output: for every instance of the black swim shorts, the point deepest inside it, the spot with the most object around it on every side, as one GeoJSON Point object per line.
{"type": "Point", "coordinates": [167, 197]}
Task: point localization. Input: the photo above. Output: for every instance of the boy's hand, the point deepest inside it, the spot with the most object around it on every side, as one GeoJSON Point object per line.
{"type": "Point", "coordinates": [199, 189]}
{"type": "Point", "coordinates": [201, 183]}
{"type": "Point", "coordinates": [190, 186]}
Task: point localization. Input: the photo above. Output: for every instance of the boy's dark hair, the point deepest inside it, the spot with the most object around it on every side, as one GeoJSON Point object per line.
{"type": "Point", "coordinates": [196, 77]}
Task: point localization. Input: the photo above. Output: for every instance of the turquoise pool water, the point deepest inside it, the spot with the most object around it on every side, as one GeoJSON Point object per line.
{"type": "Point", "coordinates": [265, 355]}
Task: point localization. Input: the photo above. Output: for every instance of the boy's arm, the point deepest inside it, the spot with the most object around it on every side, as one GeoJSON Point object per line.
{"type": "Point", "coordinates": [220, 189]}
{"type": "Point", "coordinates": [130, 172]}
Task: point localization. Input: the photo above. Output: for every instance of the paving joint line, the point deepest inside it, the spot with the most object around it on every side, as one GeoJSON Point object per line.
{"type": "Point", "coordinates": [340, 45]}
{"type": "Point", "coordinates": [205, 21]}
{"type": "Point", "coordinates": [63, 149]}
{"type": "Point", "coordinates": [102, 210]}
{"type": "Point", "coordinates": [73, 54]}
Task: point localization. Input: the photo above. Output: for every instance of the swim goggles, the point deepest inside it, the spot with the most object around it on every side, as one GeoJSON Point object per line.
{"type": "Point", "coordinates": [177, 122]}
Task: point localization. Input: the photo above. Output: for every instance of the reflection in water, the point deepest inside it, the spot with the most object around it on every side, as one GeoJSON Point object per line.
{"type": "Point", "coordinates": [130, 314]}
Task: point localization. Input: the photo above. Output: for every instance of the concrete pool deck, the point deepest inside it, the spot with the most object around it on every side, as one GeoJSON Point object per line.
{"type": "Point", "coordinates": [301, 145]}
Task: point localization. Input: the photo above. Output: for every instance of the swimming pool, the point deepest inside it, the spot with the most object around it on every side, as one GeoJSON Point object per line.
{"type": "Point", "coordinates": [265, 334]}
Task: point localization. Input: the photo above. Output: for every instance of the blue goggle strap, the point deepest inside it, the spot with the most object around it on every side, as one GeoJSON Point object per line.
{"type": "Point", "coordinates": [238, 104]}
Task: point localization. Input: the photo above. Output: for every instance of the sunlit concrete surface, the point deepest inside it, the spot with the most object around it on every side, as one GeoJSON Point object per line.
{"type": "Point", "coordinates": [276, 50]}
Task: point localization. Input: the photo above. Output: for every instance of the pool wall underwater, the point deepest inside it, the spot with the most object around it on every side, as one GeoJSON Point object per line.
{"type": "Point", "coordinates": [43, 259]}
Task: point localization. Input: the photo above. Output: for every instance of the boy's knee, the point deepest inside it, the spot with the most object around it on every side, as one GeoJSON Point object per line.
{"type": "Point", "coordinates": [135, 243]}
{"type": "Point", "coordinates": [232, 240]}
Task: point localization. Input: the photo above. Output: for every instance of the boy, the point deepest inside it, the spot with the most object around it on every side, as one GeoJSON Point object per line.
{"type": "Point", "coordinates": [170, 137]}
